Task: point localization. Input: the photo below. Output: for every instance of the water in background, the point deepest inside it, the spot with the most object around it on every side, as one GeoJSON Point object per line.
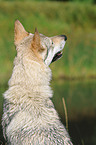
{"type": "Point", "coordinates": [80, 98]}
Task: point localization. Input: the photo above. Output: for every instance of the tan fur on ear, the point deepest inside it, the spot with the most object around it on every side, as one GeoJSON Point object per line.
{"type": "Point", "coordinates": [36, 41]}
{"type": "Point", "coordinates": [20, 32]}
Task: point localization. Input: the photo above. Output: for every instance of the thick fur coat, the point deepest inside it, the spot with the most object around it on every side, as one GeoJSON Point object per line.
{"type": "Point", "coordinates": [29, 116]}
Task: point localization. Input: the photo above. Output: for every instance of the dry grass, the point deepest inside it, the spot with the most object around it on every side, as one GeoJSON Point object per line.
{"type": "Point", "coordinates": [66, 115]}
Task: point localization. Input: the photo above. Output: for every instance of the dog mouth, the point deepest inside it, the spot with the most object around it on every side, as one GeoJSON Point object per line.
{"type": "Point", "coordinates": [57, 56]}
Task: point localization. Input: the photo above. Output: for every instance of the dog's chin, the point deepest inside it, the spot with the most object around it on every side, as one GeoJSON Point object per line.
{"type": "Point", "coordinates": [57, 56]}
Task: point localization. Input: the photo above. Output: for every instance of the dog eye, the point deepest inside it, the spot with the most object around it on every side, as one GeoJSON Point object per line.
{"type": "Point", "coordinates": [52, 42]}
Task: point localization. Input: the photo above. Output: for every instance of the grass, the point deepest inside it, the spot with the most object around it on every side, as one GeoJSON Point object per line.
{"type": "Point", "coordinates": [76, 20]}
{"type": "Point", "coordinates": [66, 115]}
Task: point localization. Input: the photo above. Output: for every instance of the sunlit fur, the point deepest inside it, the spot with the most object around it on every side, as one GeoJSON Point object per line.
{"type": "Point", "coordinates": [29, 116]}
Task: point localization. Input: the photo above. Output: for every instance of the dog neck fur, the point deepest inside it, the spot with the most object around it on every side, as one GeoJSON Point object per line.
{"type": "Point", "coordinates": [29, 63]}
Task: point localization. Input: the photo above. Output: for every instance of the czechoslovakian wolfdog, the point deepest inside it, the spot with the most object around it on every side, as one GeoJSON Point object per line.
{"type": "Point", "coordinates": [29, 116]}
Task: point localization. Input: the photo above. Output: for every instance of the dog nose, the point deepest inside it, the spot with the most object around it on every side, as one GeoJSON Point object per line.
{"type": "Point", "coordinates": [64, 36]}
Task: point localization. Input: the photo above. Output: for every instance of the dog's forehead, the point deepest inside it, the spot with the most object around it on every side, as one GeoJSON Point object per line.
{"type": "Point", "coordinates": [45, 39]}
{"type": "Point", "coordinates": [43, 36]}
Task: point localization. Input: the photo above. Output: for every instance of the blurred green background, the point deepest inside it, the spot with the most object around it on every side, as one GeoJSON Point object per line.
{"type": "Point", "coordinates": [74, 76]}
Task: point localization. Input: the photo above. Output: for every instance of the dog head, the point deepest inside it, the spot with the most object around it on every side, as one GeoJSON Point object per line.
{"type": "Point", "coordinates": [46, 49]}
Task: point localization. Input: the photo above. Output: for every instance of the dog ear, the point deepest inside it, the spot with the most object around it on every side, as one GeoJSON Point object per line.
{"type": "Point", "coordinates": [20, 32]}
{"type": "Point", "coordinates": [36, 41]}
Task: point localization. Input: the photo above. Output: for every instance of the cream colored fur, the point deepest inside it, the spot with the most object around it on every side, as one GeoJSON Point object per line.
{"type": "Point", "coordinates": [29, 116]}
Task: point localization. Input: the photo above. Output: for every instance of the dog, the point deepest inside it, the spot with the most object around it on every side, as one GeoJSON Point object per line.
{"type": "Point", "coordinates": [29, 116]}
